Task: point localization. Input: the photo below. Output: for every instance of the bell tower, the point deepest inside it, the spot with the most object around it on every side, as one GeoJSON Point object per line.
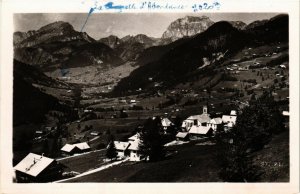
{"type": "Point", "coordinates": [205, 110]}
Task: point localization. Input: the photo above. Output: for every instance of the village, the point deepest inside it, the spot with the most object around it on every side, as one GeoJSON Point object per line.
{"type": "Point", "coordinates": [202, 127]}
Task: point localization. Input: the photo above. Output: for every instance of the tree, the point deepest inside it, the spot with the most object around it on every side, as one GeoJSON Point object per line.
{"type": "Point", "coordinates": [236, 163]}
{"type": "Point", "coordinates": [151, 144]}
{"type": "Point", "coordinates": [254, 129]}
{"type": "Point", "coordinates": [111, 151]}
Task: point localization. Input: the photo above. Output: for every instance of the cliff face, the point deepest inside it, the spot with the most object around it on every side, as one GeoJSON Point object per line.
{"type": "Point", "coordinates": [187, 26]}
{"type": "Point", "coordinates": [57, 31]}
{"type": "Point", "coordinates": [58, 45]}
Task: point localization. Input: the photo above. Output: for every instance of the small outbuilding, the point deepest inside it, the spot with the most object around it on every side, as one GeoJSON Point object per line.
{"type": "Point", "coordinates": [122, 148]}
{"type": "Point", "coordinates": [38, 168]}
{"type": "Point", "coordinates": [70, 149]}
{"type": "Point", "coordinates": [182, 136]}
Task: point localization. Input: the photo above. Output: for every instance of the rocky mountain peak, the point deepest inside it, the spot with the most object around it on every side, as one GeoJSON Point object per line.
{"type": "Point", "coordinates": [187, 26]}
{"type": "Point", "coordinates": [57, 26]}
{"type": "Point", "coordinates": [112, 41]}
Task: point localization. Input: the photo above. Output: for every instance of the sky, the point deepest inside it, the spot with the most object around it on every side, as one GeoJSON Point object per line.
{"type": "Point", "coordinates": [101, 25]}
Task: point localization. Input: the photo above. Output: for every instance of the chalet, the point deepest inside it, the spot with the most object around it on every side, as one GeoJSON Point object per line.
{"type": "Point", "coordinates": [200, 131]}
{"type": "Point", "coordinates": [70, 149]}
{"type": "Point", "coordinates": [122, 148]}
{"type": "Point", "coordinates": [229, 120]}
{"type": "Point", "coordinates": [214, 123]}
{"type": "Point", "coordinates": [38, 168]}
{"type": "Point", "coordinates": [134, 153]}
{"type": "Point", "coordinates": [196, 120]}
{"type": "Point", "coordinates": [182, 136]}
{"type": "Point", "coordinates": [166, 123]}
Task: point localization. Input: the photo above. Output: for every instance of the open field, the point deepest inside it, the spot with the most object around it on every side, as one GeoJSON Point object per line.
{"type": "Point", "coordinates": [182, 166]}
{"type": "Point", "coordinates": [193, 162]}
{"type": "Point", "coordinates": [84, 162]}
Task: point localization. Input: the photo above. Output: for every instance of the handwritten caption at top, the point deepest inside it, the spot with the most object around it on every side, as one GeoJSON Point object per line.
{"type": "Point", "coordinates": [152, 6]}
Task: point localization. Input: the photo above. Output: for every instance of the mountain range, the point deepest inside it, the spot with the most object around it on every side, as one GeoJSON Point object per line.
{"type": "Point", "coordinates": [59, 46]}
{"type": "Point", "coordinates": [184, 47]}
{"type": "Point", "coordinates": [173, 63]}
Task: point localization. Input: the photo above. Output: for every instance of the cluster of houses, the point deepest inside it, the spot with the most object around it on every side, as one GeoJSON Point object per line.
{"type": "Point", "coordinates": [199, 126]}
{"type": "Point", "coordinates": [194, 127]}
{"type": "Point", "coordinates": [38, 168]}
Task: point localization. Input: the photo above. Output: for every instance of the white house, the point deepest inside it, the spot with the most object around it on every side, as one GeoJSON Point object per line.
{"type": "Point", "coordinates": [182, 136]}
{"type": "Point", "coordinates": [229, 120]}
{"type": "Point", "coordinates": [71, 149]}
{"type": "Point", "coordinates": [213, 123]}
{"type": "Point", "coordinates": [200, 131]}
{"type": "Point", "coordinates": [166, 123]}
{"type": "Point", "coordinates": [38, 168]}
{"type": "Point", "coordinates": [134, 153]}
{"type": "Point", "coordinates": [121, 148]}
{"type": "Point", "coordinates": [197, 120]}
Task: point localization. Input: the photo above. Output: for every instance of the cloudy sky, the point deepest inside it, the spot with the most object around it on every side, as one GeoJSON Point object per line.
{"type": "Point", "coordinates": [100, 25]}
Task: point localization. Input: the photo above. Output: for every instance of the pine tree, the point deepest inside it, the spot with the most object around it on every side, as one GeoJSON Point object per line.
{"type": "Point", "coordinates": [111, 151]}
{"type": "Point", "coordinates": [151, 144]}
{"type": "Point", "coordinates": [254, 129]}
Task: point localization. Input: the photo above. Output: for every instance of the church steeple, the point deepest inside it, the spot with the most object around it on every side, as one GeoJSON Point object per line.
{"type": "Point", "coordinates": [205, 110]}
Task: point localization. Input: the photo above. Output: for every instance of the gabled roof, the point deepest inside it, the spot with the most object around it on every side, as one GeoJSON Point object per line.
{"type": "Point", "coordinates": [70, 147]}
{"type": "Point", "coordinates": [67, 148]}
{"type": "Point", "coordinates": [181, 134]}
{"type": "Point", "coordinates": [33, 164]}
{"type": "Point", "coordinates": [134, 137]}
{"type": "Point", "coordinates": [134, 145]}
{"type": "Point", "coordinates": [121, 145]}
{"type": "Point", "coordinates": [216, 121]}
{"type": "Point", "coordinates": [82, 146]}
{"type": "Point", "coordinates": [165, 122]}
{"type": "Point", "coordinates": [229, 118]}
{"type": "Point", "coordinates": [203, 118]}
{"type": "Point", "coordinates": [199, 130]}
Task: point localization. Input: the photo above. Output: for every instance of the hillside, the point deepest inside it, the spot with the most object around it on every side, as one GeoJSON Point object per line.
{"type": "Point", "coordinates": [174, 63]}
{"type": "Point", "coordinates": [32, 98]}
{"type": "Point", "coordinates": [186, 57]}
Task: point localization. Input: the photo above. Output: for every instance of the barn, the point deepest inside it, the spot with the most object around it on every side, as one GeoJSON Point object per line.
{"type": "Point", "coordinates": [38, 168]}
{"type": "Point", "coordinates": [182, 136]}
{"type": "Point", "coordinates": [122, 148]}
{"type": "Point", "coordinates": [70, 149]}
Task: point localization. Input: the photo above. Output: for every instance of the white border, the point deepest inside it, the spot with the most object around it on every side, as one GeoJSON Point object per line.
{"type": "Point", "coordinates": [71, 6]}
